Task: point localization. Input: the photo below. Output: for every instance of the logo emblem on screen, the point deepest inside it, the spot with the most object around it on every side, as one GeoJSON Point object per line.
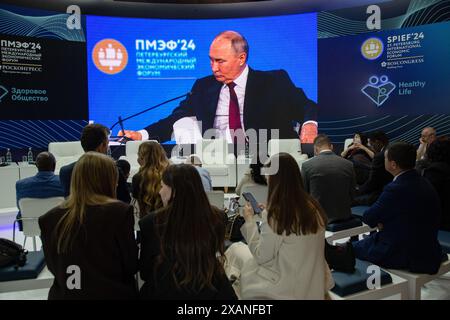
{"type": "Point", "coordinates": [378, 89]}
{"type": "Point", "coordinates": [3, 92]}
{"type": "Point", "coordinates": [110, 56]}
{"type": "Point", "coordinates": [372, 48]}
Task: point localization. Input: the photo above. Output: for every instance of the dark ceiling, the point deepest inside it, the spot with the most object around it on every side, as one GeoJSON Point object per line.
{"type": "Point", "coordinates": [191, 1]}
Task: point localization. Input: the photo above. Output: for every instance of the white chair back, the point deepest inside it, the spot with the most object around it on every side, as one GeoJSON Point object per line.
{"type": "Point", "coordinates": [212, 151]}
{"type": "Point", "coordinates": [291, 146]}
{"type": "Point", "coordinates": [65, 152]}
{"type": "Point", "coordinates": [259, 191]}
{"type": "Point", "coordinates": [216, 198]}
{"type": "Point", "coordinates": [31, 209]}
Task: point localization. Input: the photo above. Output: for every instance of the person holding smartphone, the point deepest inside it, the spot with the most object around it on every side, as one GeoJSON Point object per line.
{"type": "Point", "coordinates": [286, 259]}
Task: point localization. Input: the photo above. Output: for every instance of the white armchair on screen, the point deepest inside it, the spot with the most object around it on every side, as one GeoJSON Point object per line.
{"type": "Point", "coordinates": [131, 155]}
{"type": "Point", "coordinates": [291, 146]}
{"type": "Point", "coordinates": [220, 164]}
{"type": "Point", "coordinates": [65, 153]}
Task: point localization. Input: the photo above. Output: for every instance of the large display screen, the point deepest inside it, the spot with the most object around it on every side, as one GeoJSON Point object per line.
{"type": "Point", "coordinates": [53, 79]}
{"type": "Point", "coordinates": [153, 60]}
{"type": "Point", "coordinates": [43, 78]}
{"type": "Point", "coordinates": [396, 72]}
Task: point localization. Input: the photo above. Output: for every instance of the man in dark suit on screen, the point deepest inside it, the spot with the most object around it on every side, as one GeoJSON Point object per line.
{"type": "Point", "coordinates": [237, 98]}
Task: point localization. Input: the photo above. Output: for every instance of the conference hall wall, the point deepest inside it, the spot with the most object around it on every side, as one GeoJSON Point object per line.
{"type": "Point", "coordinates": [53, 80]}
{"type": "Point", "coordinates": [396, 79]}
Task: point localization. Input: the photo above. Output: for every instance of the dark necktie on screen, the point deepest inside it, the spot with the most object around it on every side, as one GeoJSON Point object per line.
{"type": "Point", "coordinates": [234, 116]}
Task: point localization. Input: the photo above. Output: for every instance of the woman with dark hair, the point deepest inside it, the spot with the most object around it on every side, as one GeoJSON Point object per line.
{"type": "Point", "coordinates": [252, 177]}
{"type": "Point", "coordinates": [93, 231]}
{"type": "Point", "coordinates": [361, 155]}
{"type": "Point", "coordinates": [286, 259]}
{"type": "Point", "coordinates": [182, 244]}
{"type": "Point", "coordinates": [438, 173]}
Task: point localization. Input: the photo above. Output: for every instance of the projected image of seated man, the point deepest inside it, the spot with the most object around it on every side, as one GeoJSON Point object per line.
{"type": "Point", "coordinates": [236, 98]}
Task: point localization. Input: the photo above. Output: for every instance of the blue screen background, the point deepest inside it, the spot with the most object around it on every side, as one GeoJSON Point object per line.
{"type": "Point", "coordinates": [283, 42]}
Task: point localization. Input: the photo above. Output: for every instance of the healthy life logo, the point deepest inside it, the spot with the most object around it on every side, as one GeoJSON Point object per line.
{"type": "Point", "coordinates": [372, 48]}
{"type": "Point", "coordinates": [110, 56]}
{"type": "Point", "coordinates": [3, 92]}
{"type": "Point", "coordinates": [378, 89]}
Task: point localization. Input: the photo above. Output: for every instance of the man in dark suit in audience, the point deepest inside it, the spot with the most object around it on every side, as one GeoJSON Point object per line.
{"type": "Point", "coordinates": [330, 179]}
{"type": "Point", "coordinates": [44, 184]}
{"type": "Point", "coordinates": [94, 137]}
{"type": "Point", "coordinates": [407, 215]}
{"type": "Point", "coordinates": [369, 192]}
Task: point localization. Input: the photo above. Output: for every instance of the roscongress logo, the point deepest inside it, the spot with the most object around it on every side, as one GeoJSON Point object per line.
{"type": "Point", "coordinates": [3, 92]}
{"type": "Point", "coordinates": [372, 48]}
{"type": "Point", "coordinates": [110, 56]}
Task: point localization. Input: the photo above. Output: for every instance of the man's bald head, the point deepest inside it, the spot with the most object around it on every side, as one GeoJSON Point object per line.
{"type": "Point", "coordinates": [45, 161]}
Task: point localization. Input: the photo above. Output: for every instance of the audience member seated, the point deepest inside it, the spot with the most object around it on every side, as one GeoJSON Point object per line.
{"type": "Point", "coordinates": [92, 231]}
{"type": "Point", "coordinates": [204, 174]}
{"type": "Point", "coordinates": [94, 137]}
{"type": "Point", "coordinates": [369, 192]}
{"type": "Point", "coordinates": [146, 183]}
{"type": "Point", "coordinates": [45, 184]}
{"type": "Point", "coordinates": [330, 180]}
{"type": "Point", "coordinates": [426, 138]}
{"type": "Point", "coordinates": [123, 190]}
{"type": "Point", "coordinates": [361, 155]}
{"type": "Point", "coordinates": [182, 245]}
{"type": "Point", "coordinates": [438, 173]}
{"type": "Point", "coordinates": [252, 177]}
{"type": "Point", "coordinates": [407, 215]}
{"type": "Point", "coordinates": [286, 259]}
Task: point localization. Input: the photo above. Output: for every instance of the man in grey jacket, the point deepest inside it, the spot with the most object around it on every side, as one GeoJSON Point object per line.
{"type": "Point", "coordinates": [330, 179]}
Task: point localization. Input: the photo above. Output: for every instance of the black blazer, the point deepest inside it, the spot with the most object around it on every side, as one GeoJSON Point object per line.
{"type": "Point", "coordinates": [271, 102]}
{"type": "Point", "coordinates": [164, 287]}
{"type": "Point", "coordinates": [104, 249]}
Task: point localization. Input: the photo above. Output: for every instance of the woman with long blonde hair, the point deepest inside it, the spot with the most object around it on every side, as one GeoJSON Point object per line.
{"type": "Point", "coordinates": [147, 182]}
{"type": "Point", "coordinates": [91, 232]}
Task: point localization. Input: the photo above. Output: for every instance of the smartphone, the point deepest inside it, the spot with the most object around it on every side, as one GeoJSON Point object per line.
{"type": "Point", "coordinates": [250, 198]}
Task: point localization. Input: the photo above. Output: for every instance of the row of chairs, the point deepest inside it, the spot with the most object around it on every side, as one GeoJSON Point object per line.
{"type": "Point", "coordinates": [407, 284]}
{"type": "Point", "coordinates": [32, 208]}
{"type": "Point", "coordinates": [348, 286]}
{"type": "Point", "coordinates": [214, 153]}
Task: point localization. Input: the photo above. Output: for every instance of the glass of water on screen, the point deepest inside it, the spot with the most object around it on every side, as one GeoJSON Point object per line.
{"type": "Point", "coordinates": [24, 159]}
